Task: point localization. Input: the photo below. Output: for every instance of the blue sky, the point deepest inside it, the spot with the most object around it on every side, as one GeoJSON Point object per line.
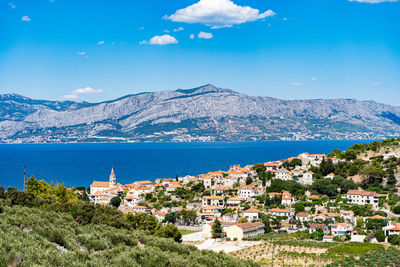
{"type": "Point", "coordinates": [290, 49]}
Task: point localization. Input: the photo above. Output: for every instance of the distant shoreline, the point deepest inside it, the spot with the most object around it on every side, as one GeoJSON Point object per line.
{"type": "Point", "coordinates": [198, 142]}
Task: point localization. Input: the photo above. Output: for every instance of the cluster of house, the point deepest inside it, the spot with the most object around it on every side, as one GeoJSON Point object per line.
{"type": "Point", "coordinates": [229, 191]}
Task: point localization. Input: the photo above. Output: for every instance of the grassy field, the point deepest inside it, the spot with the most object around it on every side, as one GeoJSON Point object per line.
{"type": "Point", "coordinates": [186, 232]}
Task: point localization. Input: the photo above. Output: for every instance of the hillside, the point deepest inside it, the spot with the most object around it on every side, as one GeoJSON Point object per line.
{"type": "Point", "coordinates": [205, 113]}
{"type": "Point", "coordinates": [37, 235]}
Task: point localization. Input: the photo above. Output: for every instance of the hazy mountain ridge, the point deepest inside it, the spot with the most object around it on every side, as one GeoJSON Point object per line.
{"type": "Point", "coordinates": [205, 113]}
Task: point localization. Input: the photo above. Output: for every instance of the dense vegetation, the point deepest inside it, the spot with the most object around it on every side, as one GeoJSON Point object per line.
{"type": "Point", "coordinates": [381, 257]}
{"type": "Point", "coordinates": [48, 225]}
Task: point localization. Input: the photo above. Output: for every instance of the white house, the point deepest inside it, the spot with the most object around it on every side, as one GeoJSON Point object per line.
{"type": "Point", "coordinates": [393, 229]}
{"type": "Point", "coordinates": [280, 212]}
{"type": "Point", "coordinates": [244, 230]}
{"type": "Point", "coordinates": [214, 201]}
{"type": "Point", "coordinates": [246, 192]}
{"type": "Point", "coordinates": [235, 200]}
{"type": "Point", "coordinates": [283, 174]}
{"type": "Point", "coordinates": [341, 229]}
{"type": "Point", "coordinates": [303, 217]}
{"type": "Point", "coordinates": [330, 176]}
{"type": "Point", "coordinates": [286, 198]}
{"type": "Point", "coordinates": [360, 197]}
{"type": "Point", "coordinates": [230, 217]}
{"type": "Point", "coordinates": [160, 215]}
{"type": "Point", "coordinates": [306, 178]}
{"type": "Point", "coordinates": [251, 214]}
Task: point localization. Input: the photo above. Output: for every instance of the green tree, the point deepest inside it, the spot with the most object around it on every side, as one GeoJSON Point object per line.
{"type": "Point", "coordinates": [115, 201]}
{"type": "Point", "coordinates": [380, 235]}
{"type": "Point", "coordinates": [249, 180]}
{"type": "Point", "coordinates": [396, 209]}
{"type": "Point", "coordinates": [394, 239]}
{"type": "Point", "coordinates": [243, 220]}
{"type": "Point", "coordinates": [259, 168]}
{"type": "Point", "coordinates": [326, 167]}
{"type": "Point", "coordinates": [170, 231]}
{"type": "Point", "coordinates": [217, 229]}
{"type": "Point", "coordinates": [373, 176]}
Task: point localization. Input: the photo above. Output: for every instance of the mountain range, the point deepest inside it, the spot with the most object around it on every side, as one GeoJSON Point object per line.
{"type": "Point", "coordinates": [206, 113]}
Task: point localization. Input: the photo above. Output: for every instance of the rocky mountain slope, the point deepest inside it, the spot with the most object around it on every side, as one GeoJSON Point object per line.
{"type": "Point", "coordinates": [205, 113]}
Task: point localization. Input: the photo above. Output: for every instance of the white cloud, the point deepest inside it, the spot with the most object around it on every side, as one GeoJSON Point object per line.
{"type": "Point", "coordinates": [70, 97]}
{"type": "Point", "coordinates": [205, 35]}
{"type": "Point", "coordinates": [191, 36]}
{"type": "Point", "coordinates": [179, 29]}
{"type": "Point", "coordinates": [87, 90]}
{"type": "Point", "coordinates": [373, 1]}
{"type": "Point", "coordinates": [314, 78]}
{"type": "Point", "coordinates": [26, 18]}
{"type": "Point", "coordinates": [218, 14]}
{"type": "Point", "coordinates": [296, 84]}
{"type": "Point", "coordinates": [161, 40]}
{"type": "Point", "coordinates": [140, 29]}
{"type": "Point", "coordinates": [376, 84]}
{"type": "Point", "coordinates": [100, 43]}
{"type": "Point", "coordinates": [11, 5]}
{"type": "Point", "coordinates": [82, 53]}
{"type": "Point", "coordinates": [166, 31]}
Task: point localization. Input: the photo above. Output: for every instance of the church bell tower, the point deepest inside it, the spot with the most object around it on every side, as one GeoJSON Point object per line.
{"type": "Point", "coordinates": [113, 179]}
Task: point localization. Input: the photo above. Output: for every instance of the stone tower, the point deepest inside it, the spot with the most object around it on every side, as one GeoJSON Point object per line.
{"type": "Point", "coordinates": [113, 179]}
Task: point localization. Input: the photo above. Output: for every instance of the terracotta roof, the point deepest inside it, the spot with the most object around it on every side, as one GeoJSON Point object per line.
{"type": "Point", "coordinates": [235, 199]}
{"type": "Point", "coordinates": [361, 193]}
{"type": "Point", "coordinates": [210, 208]}
{"type": "Point", "coordinates": [139, 207]}
{"type": "Point", "coordinates": [100, 193]}
{"type": "Point", "coordinates": [128, 211]}
{"type": "Point", "coordinates": [313, 197]}
{"type": "Point", "coordinates": [341, 224]}
{"type": "Point", "coordinates": [248, 225]}
{"type": "Point", "coordinates": [214, 197]}
{"type": "Point", "coordinates": [378, 217]}
{"type": "Point", "coordinates": [100, 184]}
{"type": "Point", "coordinates": [395, 228]}
{"type": "Point", "coordinates": [302, 214]}
{"type": "Point", "coordinates": [317, 225]}
{"type": "Point", "coordinates": [221, 188]}
{"type": "Point", "coordinates": [286, 195]}
{"type": "Point", "coordinates": [252, 210]}
{"type": "Point", "coordinates": [160, 213]}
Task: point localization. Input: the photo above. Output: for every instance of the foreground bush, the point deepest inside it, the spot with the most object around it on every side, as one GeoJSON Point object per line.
{"type": "Point", "coordinates": [48, 238]}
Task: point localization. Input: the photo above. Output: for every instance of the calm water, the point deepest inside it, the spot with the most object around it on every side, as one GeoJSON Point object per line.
{"type": "Point", "coordinates": [80, 164]}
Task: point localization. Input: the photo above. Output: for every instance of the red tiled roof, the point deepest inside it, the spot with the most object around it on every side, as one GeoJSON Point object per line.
{"type": "Point", "coordinates": [252, 210]}
{"type": "Point", "coordinates": [248, 225]}
{"type": "Point", "coordinates": [302, 214]}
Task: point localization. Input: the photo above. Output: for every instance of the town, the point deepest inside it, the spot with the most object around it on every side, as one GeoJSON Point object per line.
{"type": "Point", "coordinates": [311, 193]}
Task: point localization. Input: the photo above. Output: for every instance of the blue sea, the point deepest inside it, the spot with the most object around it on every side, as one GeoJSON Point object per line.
{"type": "Point", "coordinates": [81, 164]}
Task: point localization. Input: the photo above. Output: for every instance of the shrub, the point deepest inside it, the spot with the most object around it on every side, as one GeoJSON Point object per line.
{"type": "Point", "coordinates": [380, 235]}
{"type": "Point", "coordinates": [394, 239]}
